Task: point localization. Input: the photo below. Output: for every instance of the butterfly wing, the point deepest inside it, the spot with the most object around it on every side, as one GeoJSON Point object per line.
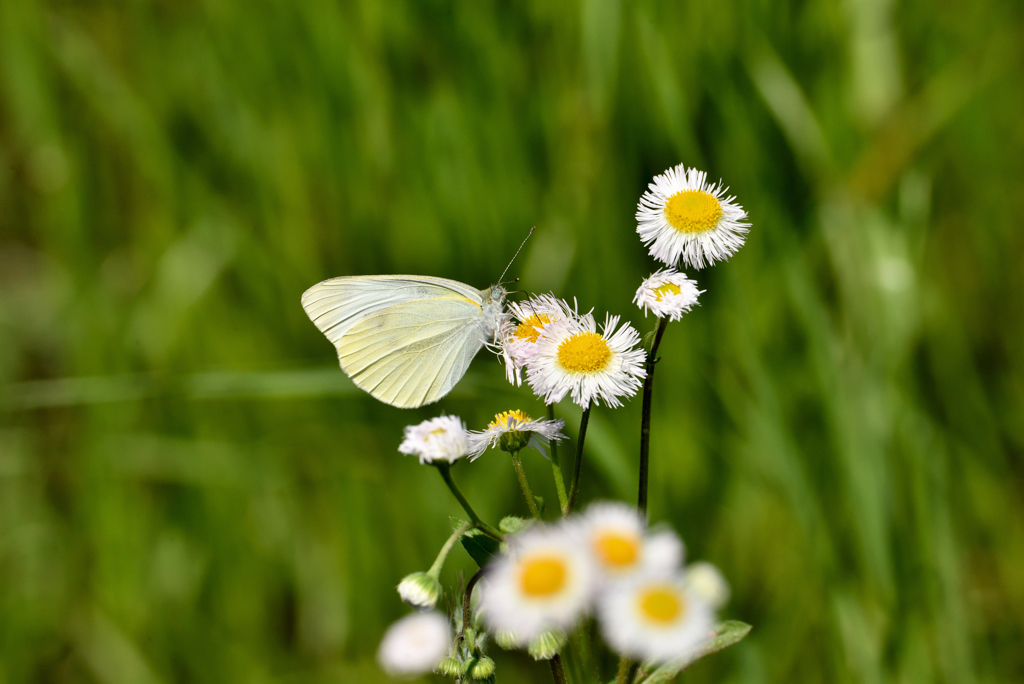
{"type": "Point", "coordinates": [404, 339]}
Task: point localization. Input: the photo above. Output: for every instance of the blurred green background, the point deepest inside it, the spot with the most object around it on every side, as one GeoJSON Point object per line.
{"type": "Point", "coordinates": [191, 491]}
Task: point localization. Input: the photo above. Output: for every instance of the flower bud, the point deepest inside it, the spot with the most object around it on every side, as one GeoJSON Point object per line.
{"type": "Point", "coordinates": [451, 667]}
{"type": "Point", "coordinates": [483, 668]}
{"type": "Point", "coordinates": [506, 639]}
{"type": "Point", "coordinates": [707, 581]}
{"type": "Point", "coordinates": [420, 590]}
{"type": "Point", "coordinates": [547, 645]}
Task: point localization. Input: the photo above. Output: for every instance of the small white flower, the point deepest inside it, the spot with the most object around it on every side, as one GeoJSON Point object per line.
{"type": "Point", "coordinates": [544, 582]}
{"type": "Point", "coordinates": [415, 645]}
{"type": "Point", "coordinates": [708, 582]}
{"type": "Point", "coordinates": [682, 216]}
{"type": "Point", "coordinates": [654, 617]}
{"type": "Point", "coordinates": [514, 431]}
{"type": "Point", "coordinates": [667, 293]}
{"type": "Point", "coordinates": [614, 534]}
{"type": "Point", "coordinates": [519, 331]}
{"type": "Point", "coordinates": [572, 357]}
{"type": "Point", "coordinates": [444, 438]}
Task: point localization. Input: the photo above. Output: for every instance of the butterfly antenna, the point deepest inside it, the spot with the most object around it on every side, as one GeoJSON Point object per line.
{"type": "Point", "coordinates": [517, 253]}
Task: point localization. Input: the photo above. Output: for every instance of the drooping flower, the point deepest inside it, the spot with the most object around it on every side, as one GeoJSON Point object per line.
{"type": "Point", "coordinates": [572, 357]}
{"type": "Point", "coordinates": [614, 534]}
{"type": "Point", "coordinates": [520, 330]}
{"type": "Point", "coordinates": [415, 645]}
{"type": "Point", "coordinates": [682, 216]}
{"type": "Point", "coordinates": [444, 438]}
{"type": "Point", "coordinates": [654, 617]}
{"type": "Point", "coordinates": [514, 431]}
{"type": "Point", "coordinates": [545, 582]}
{"type": "Point", "coordinates": [420, 590]}
{"type": "Point", "coordinates": [667, 293]}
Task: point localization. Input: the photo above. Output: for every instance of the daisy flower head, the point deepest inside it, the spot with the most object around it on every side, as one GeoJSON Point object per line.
{"type": "Point", "coordinates": [545, 582]}
{"type": "Point", "coordinates": [444, 438]}
{"type": "Point", "coordinates": [655, 617]}
{"type": "Point", "coordinates": [415, 645]}
{"type": "Point", "coordinates": [614, 534]}
{"type": "Point", "coordinates": [572, 357]}
{"type": "Point", "coordinates": [682, 216]}
{"type": "Point", "coordinates": [514, 431]}
{"type": "Point", "coordinates": [520, 330]}
{"type": "Point", "coordinates": [667, 293]}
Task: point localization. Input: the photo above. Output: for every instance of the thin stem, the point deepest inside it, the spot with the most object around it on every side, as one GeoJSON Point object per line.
{"type": "Point", "coordinates": [645, 418]}
{"type": "Point", "coordinates": [623, 675]}
{"type": "Point", "coordinates": [556, 469]}
{"type": "Point", "coordinates": [557, 671]}
{"type": "Point", "coordinates": [435, 569]}
{"type": "Point", "coordinates": [575, 489]}
{"type": "Point", "coordinates": [521, 473]}
{"type": "Point", "coordinates": [446, 475]}
{"type": "Point", "coordinates": [467, 597]}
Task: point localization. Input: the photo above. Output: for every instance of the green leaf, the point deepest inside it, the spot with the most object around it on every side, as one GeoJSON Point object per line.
{"type": "Point", "coordinates": [480, 546]}
{"type": "Point", "coordinates": [726, 634]}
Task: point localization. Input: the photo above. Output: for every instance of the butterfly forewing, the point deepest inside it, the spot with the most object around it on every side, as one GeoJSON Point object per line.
{"type": "Point", "coordinates": [404, 339]}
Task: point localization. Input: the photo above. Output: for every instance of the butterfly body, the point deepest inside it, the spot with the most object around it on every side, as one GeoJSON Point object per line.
{"type": "Point", "coordinates": [405, 339]}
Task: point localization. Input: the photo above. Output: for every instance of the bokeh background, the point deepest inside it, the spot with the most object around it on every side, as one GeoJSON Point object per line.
{"type": "Point", "coordinates": [191, 491]}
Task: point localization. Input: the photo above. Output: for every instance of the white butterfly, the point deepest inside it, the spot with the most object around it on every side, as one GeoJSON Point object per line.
{"type": "Point", "coordinates": [405, 339]}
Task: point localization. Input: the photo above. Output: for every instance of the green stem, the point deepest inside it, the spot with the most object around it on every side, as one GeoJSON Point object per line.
{"type": "Point", "coordinates": [645, 418]}
{"type": "Point", "coordinates": [467, 597]}
{"type": "Point", "coordinates": [446, 475]}
{"type": "Point", "coordinates": [623, 675]}
{"type": "Point", "coordinates": [521, 473]}
{"type": "Point", "coordinates": [557, 671]}
{"type": "Point", "coordinates": [556, 470]}
{"type": "Point", "coordinates": [435, 569]}
{"type": "Point", "coordinates": [575, 489]}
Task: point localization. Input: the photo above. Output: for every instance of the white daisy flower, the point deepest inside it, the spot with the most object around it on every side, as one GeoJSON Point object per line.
{"type": "Point", "coordinates": [544, 582]}
{"type": "Point", "coordinates": [415, 645]}
{"type": "Point", "coordinates": [682, 216]}
{"type": "Point", "coordinates": [572, 357]}
{"type": "Point", "coordinates": [708, 582]}
{"type": "Point", "coordinates": [654, 617]}
{"type": "Point", "coordinates": [614, 534]}
{"type": "Point", "coordinates": [444, 438]}
{"type": "Point", "coordinates": [514, 431]}
{"type": "Point", "coordinates": [519, 332]}
{"type": "Point", "coordinates": [667, 293]}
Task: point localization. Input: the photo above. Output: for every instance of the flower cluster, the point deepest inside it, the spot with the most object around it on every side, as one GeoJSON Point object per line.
{"type": "Point", "coordinates": [603, 562]}
{"type": "Point", "coordinates": [564, 353]}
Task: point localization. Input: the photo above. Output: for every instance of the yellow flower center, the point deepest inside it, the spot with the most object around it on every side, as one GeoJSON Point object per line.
{"type": "Point", "coordinates": [665, 290]}
{"type": "Point", "coordinates": [531, 327]}
{"type": "Point", "coordinates": [584, 352]}
{"type": "Point", "coordinates": [616, 549]}
{"type": "Point", "coordinates": [542, 576]}
{"type": "Point", "coordinates": [509, 419]}
{"type": "Point", "coordinates": [438, 431]}
{"type": "Point", "coordinates": [693, 211]}
{"type": "Point", "coordinates": [662, 604]}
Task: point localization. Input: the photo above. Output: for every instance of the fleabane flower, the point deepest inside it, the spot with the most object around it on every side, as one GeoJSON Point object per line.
{"type": "Point", "coordinates": [667, 293]}
{"type": "Point", "coordinates": [682, 216]}
{"type": "Point", "coordinates": [572, 357]}
{"type": "Point", "coordinates": [415, 645]}
{"type": "Point", "coordinates": [654, 617]}
{"type": "Point", "coordinates": [513, 431]}
{"type": "Point", "coordinates": [444, 438]}
{"type": "Point", "coordinates": [520, 330]}
{"type": "Point", "coordinates": [615, 536]}
{"type": "Point", "coordinates": [545, 582]}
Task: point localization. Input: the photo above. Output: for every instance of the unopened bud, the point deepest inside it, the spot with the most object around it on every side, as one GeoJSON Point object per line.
{"type": "Point", "coordinates": [451, 667]}
{"type": "Point", "coordinates": [547, 645]}
{"type": "Point", "coordinates": [420, 589]}
{"type": "Point", "coordinates": [482, 668]}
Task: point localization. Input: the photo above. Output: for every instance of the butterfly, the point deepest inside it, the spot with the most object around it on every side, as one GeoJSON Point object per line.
{"type": "Point", "coordinates": [405, 339]}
